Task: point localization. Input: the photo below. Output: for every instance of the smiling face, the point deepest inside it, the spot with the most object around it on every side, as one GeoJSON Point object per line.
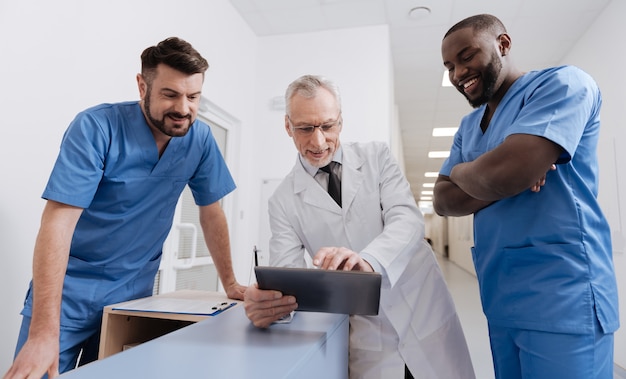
{"type": "Point", "coordinates": [317, 147]}
{"type": "Point", "coordinates": [475, 62]}
{"type": "Point", "coordinates": [170, 100]}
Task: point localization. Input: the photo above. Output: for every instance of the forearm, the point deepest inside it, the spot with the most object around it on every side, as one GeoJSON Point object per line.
{"type": "Point", "coordinates": [216, 236]}
{"type": "Point", "coordinates": [451, 200]}
{"type": "Point", "coordinates": [481, 184]}
{"type": "Point", "coordinates": [49, 266]}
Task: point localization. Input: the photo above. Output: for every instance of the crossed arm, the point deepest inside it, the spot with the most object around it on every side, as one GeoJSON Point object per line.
{"type": "Point", "coordinates": [511, 168]}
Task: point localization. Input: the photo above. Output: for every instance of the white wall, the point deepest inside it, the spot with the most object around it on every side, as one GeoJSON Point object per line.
{"type": "Point", "coordinates": [363, 78]}
{"type": "Point", "coordinates": [594, 54]}
{"type": "Point", "coordinates": [61, 57]}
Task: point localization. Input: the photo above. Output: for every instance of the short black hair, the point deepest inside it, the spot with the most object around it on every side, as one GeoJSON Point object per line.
{"type": "Point", "coordinates": [480, 22]}
{"type": "Point", "coordinates": [173, 52]}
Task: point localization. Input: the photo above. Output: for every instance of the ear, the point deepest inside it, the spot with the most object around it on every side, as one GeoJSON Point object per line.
{"type": "Point", "coordinates": [288, 127]}
{"type": "Point", "coordinates": [504, 44]}
{"type": "Point", "coordinates": [142, 85]}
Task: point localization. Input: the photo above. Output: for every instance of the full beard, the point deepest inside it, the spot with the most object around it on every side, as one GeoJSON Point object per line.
{"type": "Point", "coordinates": [174, 131]}
{"type": "Point", "coordinates": [489, 80]}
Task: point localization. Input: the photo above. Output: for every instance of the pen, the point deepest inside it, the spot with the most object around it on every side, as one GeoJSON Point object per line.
{"type": "Point", "coordinates": [256, 257]}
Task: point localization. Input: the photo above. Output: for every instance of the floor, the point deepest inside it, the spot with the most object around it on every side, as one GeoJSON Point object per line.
{"type": "Point", "coordinates": [464, 289]}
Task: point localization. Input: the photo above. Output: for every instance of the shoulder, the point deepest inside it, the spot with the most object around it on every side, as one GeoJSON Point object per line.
{"type": "Point", "coordinates": [569, 76]}
{"type": "Point", "coordinates": [365, 149]}
{"type": "Point", "coordinates": [566, 70]}
{"type": "Point", "coordinates": [109, 115]}
{"type": "Point", "coordinates": [108, 109]}
{"type": "Point", "coordinates": [369, 157]}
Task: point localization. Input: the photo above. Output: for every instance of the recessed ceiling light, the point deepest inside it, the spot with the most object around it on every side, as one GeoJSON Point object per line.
{"type": "Point", "coordinates": [419, 13]}
{"type": "Point", "coordinates": [431, 174]}
{"type": "Point", "coordinates": [428, 185]}
{"type": "Point", "coordinates": [427, 193]}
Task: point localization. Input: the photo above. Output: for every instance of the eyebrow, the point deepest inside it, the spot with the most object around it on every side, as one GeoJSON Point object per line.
{"type": "Point", "coordinates": [166, 89]}
{"type": "Point", "coordinates": [305, 123]}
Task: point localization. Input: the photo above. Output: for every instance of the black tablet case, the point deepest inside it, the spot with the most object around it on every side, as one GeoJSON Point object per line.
{"type": "Point", "coordinates": [330, 291]}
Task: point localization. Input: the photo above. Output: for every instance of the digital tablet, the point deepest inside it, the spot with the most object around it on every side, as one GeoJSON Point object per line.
{"type": "Point", "coordinates": [330, 291]}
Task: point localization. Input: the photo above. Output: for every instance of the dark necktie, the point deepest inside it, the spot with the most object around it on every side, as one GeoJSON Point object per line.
{"type": "Point", "coordinates": [334, 183]}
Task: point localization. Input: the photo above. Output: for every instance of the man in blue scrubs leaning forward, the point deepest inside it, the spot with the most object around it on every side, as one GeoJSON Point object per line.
{"type": "Point", "coordinates": [110, 203]}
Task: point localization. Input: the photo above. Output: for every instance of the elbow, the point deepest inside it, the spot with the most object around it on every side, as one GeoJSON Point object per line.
{"type": "Point", "coordinates": [438, 207]}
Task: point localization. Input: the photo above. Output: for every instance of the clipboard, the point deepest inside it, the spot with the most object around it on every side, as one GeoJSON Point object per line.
{"type": "Point", "coordinates": [194, 307]}
{"type": "Point", "coordinates": [329, 291]}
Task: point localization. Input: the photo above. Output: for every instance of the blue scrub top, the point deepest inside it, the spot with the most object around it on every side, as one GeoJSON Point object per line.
{"type": "Point", "coordinates": [544, 260]}
{"type": "Point", "coordinates": [109, 165]}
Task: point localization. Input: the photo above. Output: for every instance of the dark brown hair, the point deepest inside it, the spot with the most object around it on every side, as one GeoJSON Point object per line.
{"type": "Point", "coordinates": [174, 52]}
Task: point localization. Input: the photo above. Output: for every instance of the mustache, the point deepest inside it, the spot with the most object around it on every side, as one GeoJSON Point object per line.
{"type": "Point", "coordinates": [179, 115]}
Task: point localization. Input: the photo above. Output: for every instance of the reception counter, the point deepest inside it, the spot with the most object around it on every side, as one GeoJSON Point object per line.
{"type": "Point", "coordinates": [227, 345]}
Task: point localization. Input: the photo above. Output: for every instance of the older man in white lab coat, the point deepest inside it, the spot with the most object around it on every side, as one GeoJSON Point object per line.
{"type": "Point", "coordinates": [376, 226]}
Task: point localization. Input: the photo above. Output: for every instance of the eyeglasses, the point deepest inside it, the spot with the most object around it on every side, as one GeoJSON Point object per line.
{"type": "Point", "coordinates": [307, 130]}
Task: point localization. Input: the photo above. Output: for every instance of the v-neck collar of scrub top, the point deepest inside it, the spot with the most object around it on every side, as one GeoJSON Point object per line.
{"type": "Point", "coordinates": [153, 163]}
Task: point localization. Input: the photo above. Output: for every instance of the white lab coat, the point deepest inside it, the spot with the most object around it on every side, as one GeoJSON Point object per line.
{"type": "Point", "coordinates": [417, 322]}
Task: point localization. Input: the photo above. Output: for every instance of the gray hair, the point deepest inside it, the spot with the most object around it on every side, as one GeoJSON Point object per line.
{"type": "Point", "coordinates": [307, 86]}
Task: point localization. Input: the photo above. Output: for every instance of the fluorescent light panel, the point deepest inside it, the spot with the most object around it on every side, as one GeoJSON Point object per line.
{"type": "Point", "coordinates": [438, 154]}
{"type": "Point", "coordinates": [445, 81]}
{"type": "Point", "coordinates": [444, 132]}
{"type": "Point", "coordinates": [431, 174]}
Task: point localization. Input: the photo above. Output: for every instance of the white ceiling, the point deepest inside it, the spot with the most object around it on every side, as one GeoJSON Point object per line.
{"type": "Point", "coordinates": [543, 32]}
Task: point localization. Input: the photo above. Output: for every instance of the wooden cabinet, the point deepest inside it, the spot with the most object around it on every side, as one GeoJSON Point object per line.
{"type": "Point", "coordinates": [124, 326]}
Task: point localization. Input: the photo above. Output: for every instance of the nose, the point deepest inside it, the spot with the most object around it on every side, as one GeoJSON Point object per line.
{"type": "Point", "coordinates": [318, 138]}
{"type": "Point", "coordinates": [183, 105]}
{"type": "Point", "coordinates": [457, 74]}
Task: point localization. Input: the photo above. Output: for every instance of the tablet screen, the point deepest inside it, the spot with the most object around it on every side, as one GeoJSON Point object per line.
{"type": "Point", "coordinates": [330, 291]}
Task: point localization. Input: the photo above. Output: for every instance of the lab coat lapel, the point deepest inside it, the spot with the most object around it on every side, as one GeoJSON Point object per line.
{"type": "Point", "coordinates": [351, 176]}
{"type": "Point", "coordinates": [311, 192]}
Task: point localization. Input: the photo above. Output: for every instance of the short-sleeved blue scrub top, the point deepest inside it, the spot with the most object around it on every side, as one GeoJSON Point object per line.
{"type": "Point", "coordinates": [109, 165]}
{"type": "Point", "coordinates": [544, 260]}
